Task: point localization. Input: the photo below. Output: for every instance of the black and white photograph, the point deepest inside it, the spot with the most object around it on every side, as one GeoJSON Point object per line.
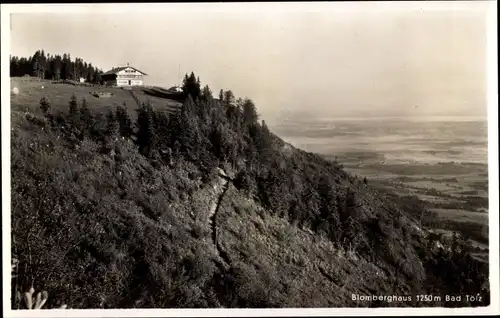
{"type": "Point", "coordinates": [239, 156]}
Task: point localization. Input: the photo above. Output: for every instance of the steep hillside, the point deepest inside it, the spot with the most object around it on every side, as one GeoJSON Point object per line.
{"type": "Point", "coordinates": [205, 207]}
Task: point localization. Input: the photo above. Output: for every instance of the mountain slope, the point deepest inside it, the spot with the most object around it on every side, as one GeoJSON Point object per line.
{"type": "Point", "coordinates": [103, 220]}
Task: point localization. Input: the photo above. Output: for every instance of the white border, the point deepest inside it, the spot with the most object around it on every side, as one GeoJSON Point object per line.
{"type": "Point", "coordinates": [492, 98]}
{"type": "Point", "coordinates": [251, 7]}
{"type": "Point", "coordinates": [233, 7]}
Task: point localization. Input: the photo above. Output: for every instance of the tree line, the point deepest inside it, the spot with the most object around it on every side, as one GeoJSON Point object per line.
{"type": "Point", "coordinates": [54, 67]}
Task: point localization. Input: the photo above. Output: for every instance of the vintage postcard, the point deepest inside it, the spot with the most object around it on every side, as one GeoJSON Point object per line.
{"type": "Point", "coordinates": [246, 159]}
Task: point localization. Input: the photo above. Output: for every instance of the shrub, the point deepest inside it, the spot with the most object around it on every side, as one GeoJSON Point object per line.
{"type": "Point", "coordinates": [44, 105]}
{"type": "Point", "coordinates": [86, 114]}
{"type": "Point", "coordinates": [73, 105]}
{"type": "Point", "coordinates": [124, 121]}
{"type": "Point", "coordinates": [246, 182]}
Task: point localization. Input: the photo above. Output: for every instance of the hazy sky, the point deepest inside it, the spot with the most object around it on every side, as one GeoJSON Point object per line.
{"type": "Point", "coordinates": [336, 59]}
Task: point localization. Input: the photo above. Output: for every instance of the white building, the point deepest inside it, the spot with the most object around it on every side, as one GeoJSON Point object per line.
{"type": "Point", "coordinates": [124, 76]}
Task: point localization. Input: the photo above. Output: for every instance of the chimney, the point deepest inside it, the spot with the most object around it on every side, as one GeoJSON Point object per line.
{"type": "Point", "coordinates": [127, 64]}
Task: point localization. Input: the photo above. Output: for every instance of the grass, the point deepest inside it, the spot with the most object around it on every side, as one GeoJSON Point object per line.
{"type": "Point", "coordinates": [317, 265]}
{"type": "Point", "coordinates": [31, 91]}
{"type": "Point", "coordinates": [463, 215]}
{"type": "Point", "coordinates": [455, 192]}
{"type": "Point", "coordinates": [452, 211]}
{"type": "Point", "coordinates": [439, 169]}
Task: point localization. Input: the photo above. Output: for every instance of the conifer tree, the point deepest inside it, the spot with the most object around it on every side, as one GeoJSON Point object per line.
{"type": "Point", "coordinates": [161, 126]}
{"type": "Point", "coordinates": [146, 137]}
{"type": "Point", "coordinates": [188, 130]}
{"type": "Point", "coordinates": [250, 115]}
{"type": "Point", "coordinates": [228, 97]}
{"type": "Point", "coordinates": [90, 74]}
{"type": "Point", "coordinates": [221, 96]}
{"type": "Point", "coordinates": [54, 66]}
{"type": "Point", "coordinates": [69, 70]}
{"type": "Point", "coordinates": [98, 78]}
{"type": "Point", "coordinates": [328, 220]}
{"type": "Point", "coordinates": [349, 218]}
{"type": "Point", "coordinates": [73, 105]}
{"type": "Point", "coordinates": [263, 141]}
{"type": "Point", "coordinates": [36, 64]}
{"type": "Point", "coordinates": [85, 113]}
{"type": "Point", "coordinates": [191, 86]}
{"type": "Point", "coordinates": [207, 93]}
{"type": "Point", "coordinates": [44, 105]}
{"type": "Point", "coordinates": [124, 121]}
{"type": "Point", "coordinates": [42, 64]}
{"type": "Point", "coordinates": [113, 126]}
{"type": "Point", "coordinates": [57, 67]}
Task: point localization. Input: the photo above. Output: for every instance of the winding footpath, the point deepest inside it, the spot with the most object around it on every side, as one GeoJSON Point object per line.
{"type": "Point", "coordinates": [214, 209]}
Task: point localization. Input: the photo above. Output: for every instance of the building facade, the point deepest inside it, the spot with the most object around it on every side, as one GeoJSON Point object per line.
{"type": "Point", "coordinates": [124, 76]}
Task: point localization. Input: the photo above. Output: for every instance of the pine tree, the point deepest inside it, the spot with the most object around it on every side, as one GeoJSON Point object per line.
{"type": "Point", "coordinates": [113, 128]}
{"type": "Point", "coordinates": [250, 115]}
{"type": "Point", "coordinates": [36, 64]}
{"type": "Point", "coordinates": [217, 140]}
{"type": "Point", "coordinates": [57, 67]}
{"type": "Point", "coordinates": [90, 73]}
{"type": "Point", "coordinates": [221, 96]}
{"type": "Point", "coordinates": [206, 93]}
{"type": "Point", "coordinates": [73, 105]}
{"type": "Point", "coordinates": [263, 140]}
{"type": "Point", "coordinates": [70, 70]}
{"type": "Point", "coordinates": [228, 97]}
{"type": "Point", "coordinates": [189, 133]}
{"type": "Point", "coordinates": [85, 70]}
{"type": "Point", "coordinates": [43, 64]}
{"type": "Point", "coordinates": [328, 220]}
{"type": "Point", "coordinates": [146, 137]}
{"type": "Point", "coordinates": [124, 121]}
{"type": "Point", "coordinates": [350, 219]}
{"type": "Point", "coordinates": [76, 68]}
{"type": "Point", "coordinates": [98, 79]}
{"type": "Point", "coordinates": [44, 105]}
{"type": "Point", "coordinates": [64, 67]}
{"type": "Point", "coordinates": [161, 126]}
{"type": "Point", "coordinates": [191, 86]}
{"type": "Point", "coordinates": [14, 66]}
{"type": "Point", "coordinates": [86, 114]}
{"type": "Point", "coordinates": [53, 66]}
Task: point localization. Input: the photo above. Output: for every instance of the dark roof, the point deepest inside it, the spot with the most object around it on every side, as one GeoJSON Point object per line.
{"type": "Point", "coordinates": [121, 68]}
{"type": "Point", "coordinates": [174, 89]}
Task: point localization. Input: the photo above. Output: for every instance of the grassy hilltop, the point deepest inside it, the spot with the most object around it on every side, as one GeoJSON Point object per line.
{"type": "Point", "coordinates": [119, 206]}
{"type": "Point", "coordinates": [32, 90]}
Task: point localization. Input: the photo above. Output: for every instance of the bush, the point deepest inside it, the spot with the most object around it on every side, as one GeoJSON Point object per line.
{"type": "Point", "coordinates": [246, 182]}
{"type": "Point", "coordinates": [44, 105]}
{"type": "Point", "coordinates": [73, 105]}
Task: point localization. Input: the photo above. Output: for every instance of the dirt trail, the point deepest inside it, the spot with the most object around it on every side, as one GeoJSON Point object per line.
{"type": "Point", "coordinates": [135, 98]}
{"type": "Point", "coordinates": [214, 209]}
